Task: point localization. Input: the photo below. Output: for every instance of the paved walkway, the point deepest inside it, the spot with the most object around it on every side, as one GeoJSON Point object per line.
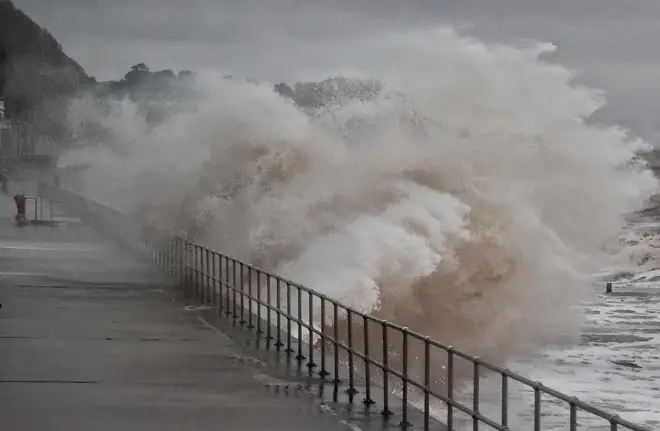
{"type": "Point", "coordinates": [92, 340]}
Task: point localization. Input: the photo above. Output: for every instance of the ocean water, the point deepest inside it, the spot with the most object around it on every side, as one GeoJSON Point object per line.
{"type": "Point", "coordinates": [616, 364]}
{"type": "Point", "coordinates": [616, 367]}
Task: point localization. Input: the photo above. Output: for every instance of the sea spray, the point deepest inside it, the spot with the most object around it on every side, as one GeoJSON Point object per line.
{"type": "Point", "coordinates": [468, 199]}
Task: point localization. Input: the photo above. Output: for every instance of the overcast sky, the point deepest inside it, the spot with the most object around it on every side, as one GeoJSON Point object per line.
{"type": "Point", "coordinates": [614, 43]}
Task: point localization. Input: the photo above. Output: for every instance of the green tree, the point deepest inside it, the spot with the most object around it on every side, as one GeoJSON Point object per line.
{"type": "Point", "coordinates": [137, 72]}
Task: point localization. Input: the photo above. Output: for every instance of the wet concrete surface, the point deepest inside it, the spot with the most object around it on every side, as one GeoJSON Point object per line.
{"type": "Point", "coordinates": [91, 339]}
{"type": "Point", "coordinates": [287, 372]}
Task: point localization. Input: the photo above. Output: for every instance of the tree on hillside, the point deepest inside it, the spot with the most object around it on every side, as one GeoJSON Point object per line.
{"type": "Point", "coordinates": [140, 68]}
{"type": "Point", "coordinates": [137, 72]}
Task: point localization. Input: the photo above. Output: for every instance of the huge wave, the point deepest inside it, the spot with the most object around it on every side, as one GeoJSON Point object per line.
{"type": "Point", "coordinates": [469, 198]}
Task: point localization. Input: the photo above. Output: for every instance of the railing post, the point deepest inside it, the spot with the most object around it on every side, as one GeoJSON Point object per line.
{"type": "Point", "coordinates": [217, 280]}
{"type": "Point", "coordinates": [505, 399]}
{"type": "Point", "coordinates": [250, 299]}
{"type": "Point", "coordinates": [190, 275]}
{"type": "Point", "coordinates": [194, 274]}
{"type": "Point", "coordinates": [278, 300]}
{"type": "Point", "coordinates": [404, 380]}
{"type": "Point", "coordinates": [241, 268]}
{"type": "Point", "coordinates": [288, 318]}
{"type": "Point", "coordinates": [367, 366]}
{"type": "Point", "coordinates": [537, 406]}
{"type": "Point", "coordinates": [310, 363]}
{"type": "Point", "coordinates": [614, 423]}
{"type": "Point", "coordinates": [300, 355]}
{"type": "Point", "coordinates": [233, 289]}
{"type": "Point", "coordinates": [335, 336]}
{"type": "Point", "coordinates": [427, 383]}
{"type": "Point", "coordinates": [450, 388]}
{"type": "Point", "coordinates": [210, 288]}
{"type": "Point", "coordinates": [386, 370]}
{"type": "Point", "coordinates": [475, 394]}
{"type": "Point", "coordinates": [228, 290]}
{"type": "Point", "coordinates": [573, 417]}
{"type": "Point", "coordinates": [259, 302]}
{"type": "Point", "coordinates": [351, 371]}
{"type": "Point", "coordinates": [269, 311]}
{"type": "Point", "coordinates": [199, 280]}
{"type": "Point", "coordinates": [323, 372]}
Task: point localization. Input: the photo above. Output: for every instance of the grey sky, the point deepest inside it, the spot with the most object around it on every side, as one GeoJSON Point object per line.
{"type": "Point", "coordinates": [614, 43]}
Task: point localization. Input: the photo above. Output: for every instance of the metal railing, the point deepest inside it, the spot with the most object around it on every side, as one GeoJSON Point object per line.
{"type": "Point", "coordinates": [35, 201]}
{"type": "Point", "coordinates": [36, 208]}
{"type": "Point", "coordinates": [392, 365]}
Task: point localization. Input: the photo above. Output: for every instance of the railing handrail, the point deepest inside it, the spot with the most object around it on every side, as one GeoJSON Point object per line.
{"type": "Point", "coordinates": [176, 252]}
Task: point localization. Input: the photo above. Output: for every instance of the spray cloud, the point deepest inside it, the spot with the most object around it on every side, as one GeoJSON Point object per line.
{"type": "Point", "coordinates": [468, 199]}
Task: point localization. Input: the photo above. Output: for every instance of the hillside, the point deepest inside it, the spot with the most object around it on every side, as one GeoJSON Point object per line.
{"type": "Point", "coordinates": [33, 66]}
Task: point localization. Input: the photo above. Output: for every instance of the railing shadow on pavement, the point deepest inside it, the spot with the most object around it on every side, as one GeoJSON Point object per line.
{"type": "Point", "coordinates": [404, 367]}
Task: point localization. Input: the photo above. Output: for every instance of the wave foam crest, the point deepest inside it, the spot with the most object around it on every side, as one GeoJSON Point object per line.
{"type": "Point", "coordinates": [469, 199]}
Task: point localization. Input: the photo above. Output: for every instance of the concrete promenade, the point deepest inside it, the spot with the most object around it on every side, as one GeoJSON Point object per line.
{"type": "Point", "coordinates": [91, 339]}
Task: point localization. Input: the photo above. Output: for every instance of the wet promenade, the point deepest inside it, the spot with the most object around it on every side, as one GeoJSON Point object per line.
{"type": "Point", "coordinates": [91, 339]}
